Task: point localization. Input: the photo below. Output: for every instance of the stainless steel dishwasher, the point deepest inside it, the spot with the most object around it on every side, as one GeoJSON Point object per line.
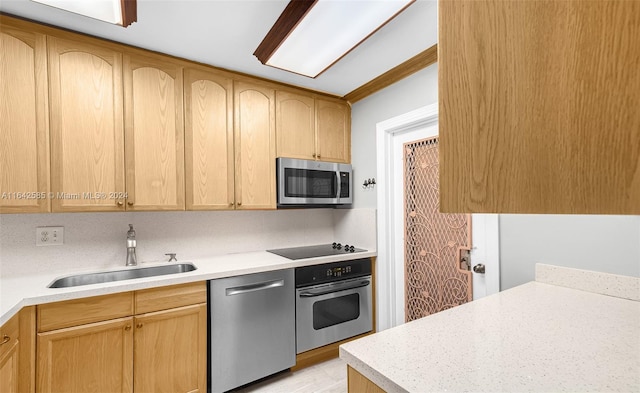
{"type": "Point", "coordinates": [252, 328]}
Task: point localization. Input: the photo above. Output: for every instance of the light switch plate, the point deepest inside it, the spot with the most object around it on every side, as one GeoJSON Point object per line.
{"type": "Point", "coordinates": [49, 236]}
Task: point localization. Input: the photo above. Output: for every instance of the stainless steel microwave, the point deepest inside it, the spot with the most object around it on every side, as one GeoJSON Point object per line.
{"type": "Point", "coordinates": [306, 183]}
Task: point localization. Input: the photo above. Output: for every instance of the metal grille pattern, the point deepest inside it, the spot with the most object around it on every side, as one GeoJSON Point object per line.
{"type": "Point", "coordinates": [433, 240]}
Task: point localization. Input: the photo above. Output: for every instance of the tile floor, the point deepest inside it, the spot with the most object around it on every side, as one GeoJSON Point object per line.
{"type": "Point", "coordinates": [326, 377]}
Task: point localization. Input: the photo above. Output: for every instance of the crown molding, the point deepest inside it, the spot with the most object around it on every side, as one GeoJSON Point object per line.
{"type": "Point", "coordinates": [399, 72]}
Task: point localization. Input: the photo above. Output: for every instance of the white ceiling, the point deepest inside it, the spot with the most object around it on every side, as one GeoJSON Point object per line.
{"type": "Point", "coordinates": [225, 33]}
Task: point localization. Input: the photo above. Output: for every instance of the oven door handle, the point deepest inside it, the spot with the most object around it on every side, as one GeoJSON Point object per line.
{"type": "Point", "coordinates": [335, 288]}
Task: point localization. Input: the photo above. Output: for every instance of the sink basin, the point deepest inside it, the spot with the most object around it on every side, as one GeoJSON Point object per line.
{"type": "Point", "coordinates": [119, 275]}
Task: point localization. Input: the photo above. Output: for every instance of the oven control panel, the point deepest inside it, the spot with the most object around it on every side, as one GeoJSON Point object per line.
{"type": "Point", "coordinates": [335, 271]}
{"type": "Point", "coordinates": [339, 271]}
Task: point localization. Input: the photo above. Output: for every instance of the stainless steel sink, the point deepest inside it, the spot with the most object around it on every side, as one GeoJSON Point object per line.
{"type": "Point", "coordinates": [119, 275]}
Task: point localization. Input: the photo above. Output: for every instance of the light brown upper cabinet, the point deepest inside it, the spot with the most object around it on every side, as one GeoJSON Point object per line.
{"type": "Point", "coordinates": [255, 146]}
{"type": "Point", "coordinates": [208, 100]}
{"type": "Point", "coordinates": [87, 128]}
{"type": "Point", "coordinates": [154, 132]}
{"type": "Point", "coordinates": [295, 126]}
{"type": "Point", "coordinates": [312, 128]}
{"type": "Point", "coordinates": [539, 106]}
{"type": "Point", "coordinates": [333, 129]}
{"type": "Point", "coordinates": [24, 123]}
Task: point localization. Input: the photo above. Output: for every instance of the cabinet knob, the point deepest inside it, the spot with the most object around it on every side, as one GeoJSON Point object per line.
{"type": "Point", "coordinates": [128, 327]}
{"type": "Point", "coordinates": [319, 157]}
{"type": "Point", "coordinates": [239, 203]}
{"type": "Point", "coordinates": [119, 203]}
{"type": "Point", "coordinates": [5, 339]}
{"type": "Point", "coordinates": [230, 204]}
{"type": "Point", "coordinates": [130, 203]}
{"type": "Point", "coordinates": [314, 155]}
{"type": "Point", "coordinates": [139, 326]}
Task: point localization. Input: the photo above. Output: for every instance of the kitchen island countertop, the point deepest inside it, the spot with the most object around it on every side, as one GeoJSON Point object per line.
{"type": "Point", "coordinates": [31, 289]}
{"type": "Point", "coordinates": [535, 337]}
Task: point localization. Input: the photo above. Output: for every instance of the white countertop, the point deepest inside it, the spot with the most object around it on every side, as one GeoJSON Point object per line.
{"type": "Point", "coordinates": [31, 289]}
{"type": "Point", "coordinates": [535, 337]}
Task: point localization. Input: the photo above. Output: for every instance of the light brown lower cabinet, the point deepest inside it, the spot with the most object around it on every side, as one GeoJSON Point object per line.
{"type": "Point", "coordinates": [358, 383]}
{"type": "Point", "coordinates": [171, 350]}
{"type": "Point", "coordinates": [17, 353]}
{"type": "Point", "coordinates": [160, 346]}
{"type": "Point", "coordinates": [97, 357]}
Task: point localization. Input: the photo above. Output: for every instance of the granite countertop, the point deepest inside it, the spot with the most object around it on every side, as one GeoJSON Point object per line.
{"type": "Point", "coordinates": [31, 289]}
{"type": "Point", "coordinates": [536, 337]}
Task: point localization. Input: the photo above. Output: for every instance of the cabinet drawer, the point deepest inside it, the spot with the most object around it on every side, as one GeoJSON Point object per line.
{"type": "Point", "coordinates": [156, 299]}
{"type": "Point", "coordinates": [81, 311]}
{"type": "Point", "coordinates": [9, 334]}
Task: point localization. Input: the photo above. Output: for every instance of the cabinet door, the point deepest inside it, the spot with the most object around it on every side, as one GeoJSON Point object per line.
{"type": "Point", "coordinates": [208, 101]}
{"type": "Point", "coordinates": [171, 350]}
{"type": "Point", "coordinates": [89, 358]}
{"type": "Point", "coordinates": [87, 129]}
{"type": "Point", "coordinates": [295, 126]}
{"type": "Point", "coordinates": [10, 356]}
{"type": "Point", "coordinates": [333, 127]}
{"type": "Point", "coordinates": [154, 133]}
{"type": "Point", "coordinates": [24, 132]}
{"type": "Point", "coordinates": [539, 106]}
{"type": "Point", "coordinates": [9, 368]}
{"type": "Point", "coordinates": [255, 146]}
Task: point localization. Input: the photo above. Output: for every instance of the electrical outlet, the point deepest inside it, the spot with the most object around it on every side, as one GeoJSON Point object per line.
{"type": "Point", "coordinates": [49, 236]}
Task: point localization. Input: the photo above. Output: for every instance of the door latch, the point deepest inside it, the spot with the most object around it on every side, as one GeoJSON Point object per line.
{"type": "Point", "coordinates": [465, 260]}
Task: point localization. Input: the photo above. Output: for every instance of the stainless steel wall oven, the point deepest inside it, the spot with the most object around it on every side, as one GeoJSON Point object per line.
{"type": "Point", "coordinates": [333, 302]}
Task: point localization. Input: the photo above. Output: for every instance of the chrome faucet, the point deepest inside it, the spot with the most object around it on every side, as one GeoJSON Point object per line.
{"type": "Point", "coordinates": [132, 260]}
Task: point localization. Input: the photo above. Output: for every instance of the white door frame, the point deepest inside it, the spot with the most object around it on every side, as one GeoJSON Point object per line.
{"type": "Point", "coordinates": [390, 282]}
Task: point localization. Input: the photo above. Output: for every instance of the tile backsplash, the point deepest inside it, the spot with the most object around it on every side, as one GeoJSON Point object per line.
{"type": "Point", "coordinates": [98, 240]}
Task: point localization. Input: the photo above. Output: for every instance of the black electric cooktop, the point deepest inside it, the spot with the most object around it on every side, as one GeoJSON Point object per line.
{"type": "Point", "coordinates": [320, 250]}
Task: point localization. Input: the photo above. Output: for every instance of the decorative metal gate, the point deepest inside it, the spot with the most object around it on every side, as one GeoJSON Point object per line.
{"type": "Point", "coordinates": [437, 275]}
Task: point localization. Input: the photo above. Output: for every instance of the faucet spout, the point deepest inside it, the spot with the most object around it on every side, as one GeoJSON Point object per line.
{"type": "Point", "coordinates": [132, 260]}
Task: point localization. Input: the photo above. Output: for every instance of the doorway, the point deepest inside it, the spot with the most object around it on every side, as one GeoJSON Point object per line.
{"type": "Point", "coordinates": [392, 135]}
{"type": "Point", "coordinates": [436, 245]}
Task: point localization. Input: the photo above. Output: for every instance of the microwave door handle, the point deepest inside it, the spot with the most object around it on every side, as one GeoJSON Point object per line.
{"type": "Point", "coordinates": [338, 185]}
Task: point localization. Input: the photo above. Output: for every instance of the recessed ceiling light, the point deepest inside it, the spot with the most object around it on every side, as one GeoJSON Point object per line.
{"type": "Point", "coordinates": [311, 35]}
{"type": "Point", "coordinates": [119, 12]}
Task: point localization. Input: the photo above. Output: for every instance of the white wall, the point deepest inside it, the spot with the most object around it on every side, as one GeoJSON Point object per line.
{"type": "Point", "coordinates": [413, 92]}
{"type": "Point", "coordinates": [609, 244]}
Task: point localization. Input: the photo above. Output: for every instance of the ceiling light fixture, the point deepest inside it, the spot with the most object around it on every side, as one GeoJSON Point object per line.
{"type": "Point", "coordinates": [312, 35]}
{"type": "Point", "coordinates": [119, 12]}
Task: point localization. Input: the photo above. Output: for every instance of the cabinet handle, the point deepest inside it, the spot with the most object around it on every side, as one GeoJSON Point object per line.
{"type": "Point", "coordinates": [5, 339]}
{"type": "Point", "coordinates": [319, 157]}
{"type": "Point", "coordinates": [230, 204]}
{"type": "Point", "coordinates": [239, 203]}
{"type": "Point", "coordinates": [128, 327]}
{"type": "Point", "coordinates": [130, 203]}
{"type": "Point", "coordinates": [314, 155]}
{"type": "Point", "coordinates": [139, 326]}
{"type": "Point", "coordinates": [120, 203]}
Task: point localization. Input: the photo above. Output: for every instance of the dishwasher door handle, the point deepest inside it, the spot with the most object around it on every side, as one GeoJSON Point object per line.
{"type": "Point", "coordinates": [254, 287]}
{"type": "Point", "coordinates": [334, 288]}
